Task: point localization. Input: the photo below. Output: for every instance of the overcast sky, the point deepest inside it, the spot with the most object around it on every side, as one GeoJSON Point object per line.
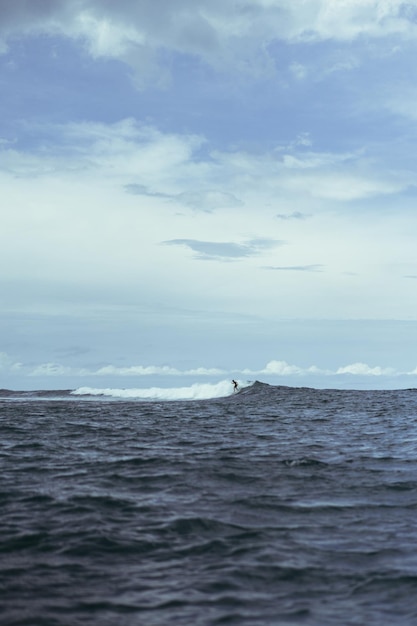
{"type": "Point", "coordinates": [195, 189]}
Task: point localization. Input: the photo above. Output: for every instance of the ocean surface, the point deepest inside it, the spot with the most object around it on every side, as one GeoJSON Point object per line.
{"type": "Point", "coordinates": [272, 506]}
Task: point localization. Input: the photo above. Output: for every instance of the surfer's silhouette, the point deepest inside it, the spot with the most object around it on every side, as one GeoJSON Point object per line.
{"type": "Point", "coordinates": [235, 385]}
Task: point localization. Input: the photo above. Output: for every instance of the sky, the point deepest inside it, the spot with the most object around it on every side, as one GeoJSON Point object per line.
{"type": "Point", "coordinates": [194, 190]}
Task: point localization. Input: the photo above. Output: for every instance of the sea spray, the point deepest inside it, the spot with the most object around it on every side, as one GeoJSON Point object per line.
{"type": "Point", "coordinates": [197, 391]}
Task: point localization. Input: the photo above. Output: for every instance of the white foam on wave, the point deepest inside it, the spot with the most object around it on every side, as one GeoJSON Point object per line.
{"type": "Point", "coordinates": [197, 391]}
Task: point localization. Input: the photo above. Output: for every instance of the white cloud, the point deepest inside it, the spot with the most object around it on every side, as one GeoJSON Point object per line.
{"type": "Point", "coordinates": [208, 200]}
{"type": "Point", "coordinates": [136, 370]}
{"type": "Point", "coordinates": [298, 70]}
{"type": "Point", "coordinates": [347, 186]}
{"type": "Point", "coordinates": [150, 370]}
{"type": "Point", "coordinates": [362, 369]}
{"type": "Point", "coordinates": [54, 369]}
{"type": "Point", "coordinates": [169, 165]}
{"type": "Point", "coordinates": [295, 215]}
{"type": "Point", "coordinates": [81, 148]}
{"type": "Point", "coordinates": [82, 228]}
{"type": "Point", "coordinates": [294, 268]}
{"type": "Point", "coordinates": [401, 99]}
{"type": "Point", "coordinates": [57, 369]}
{"type": "Point", "coordinates": [222, 34]}
{"type": "Point", "coordinates": [348, 19]}
{"type": "Point", "coordinates": [282, 368]}
{"type": "Point", "coordinates": [8, 364]}
{"type": "Point", "coordinates": [278, 368]}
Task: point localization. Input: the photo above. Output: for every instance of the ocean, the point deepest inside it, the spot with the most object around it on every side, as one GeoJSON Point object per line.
{"type": "Point", "coordinates": [273, 506]}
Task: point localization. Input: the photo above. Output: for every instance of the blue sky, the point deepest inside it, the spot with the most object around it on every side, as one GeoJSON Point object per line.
{"type": "Point", "coordinates": [198, 189]}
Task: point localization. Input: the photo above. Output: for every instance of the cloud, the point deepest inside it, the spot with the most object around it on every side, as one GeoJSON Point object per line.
{"type": "Point", "coordinates": [82, 228]}
{"type": "Point", "coordinates": [282, 368]}
{"type": "Point", "coordinates": [295, 268]}
{"type": "Point", "coordinates": [68, 186]}
{"type": "Point", "coordinates": [295, 215]}
{"type": "Point", "coordinates": [170, 166]}
{"type": "Point", "coordinates": [56, 370]}
{"type": "Point", "coordinates": [223, 35]}
{"type": "Point", "coordinates": [347, 186]}
{"type": "Point", "coordinates": [274, 368]}
{"type": "Point", "coordinates": [225, 251]}
{"type": "Point", "coordinates": [119, 149]}
{"type": "Point", "coordinates": [298, 70]}
{"type": "Point", "coordinates": [208, 200]}
{"type": "Point", "coordinates": [362, 369]}
{"type": "Point", "coordinates": [53, 369]}
{"type": "Point", "coordinates": [149, 370]}
{"type": "Point", "coordinates": [8, 364]}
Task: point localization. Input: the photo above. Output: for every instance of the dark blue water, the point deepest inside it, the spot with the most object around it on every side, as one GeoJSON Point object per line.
{"type": "Point", "coordinates": [275, 506]}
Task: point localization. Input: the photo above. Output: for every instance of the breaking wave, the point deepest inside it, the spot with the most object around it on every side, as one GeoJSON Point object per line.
{"type": "Point", "coordinates": [197, 391]}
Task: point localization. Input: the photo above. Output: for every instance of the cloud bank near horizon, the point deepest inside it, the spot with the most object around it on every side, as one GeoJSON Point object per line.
{"type": "Point", "coordinates": [272, 368]}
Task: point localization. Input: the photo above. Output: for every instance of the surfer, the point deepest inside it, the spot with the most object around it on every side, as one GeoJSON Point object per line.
{"type": "Point", "coordinates": [235, 385]}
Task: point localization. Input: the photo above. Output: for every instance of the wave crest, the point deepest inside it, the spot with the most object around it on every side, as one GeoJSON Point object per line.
{"type": "Point", "coordinates": [197, 391]}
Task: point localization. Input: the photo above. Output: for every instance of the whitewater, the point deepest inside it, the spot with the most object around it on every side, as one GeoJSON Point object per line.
{"type": "Point", "coordinates": [197, 391]}
{"type": "Point", "coordinates": [273, 506]}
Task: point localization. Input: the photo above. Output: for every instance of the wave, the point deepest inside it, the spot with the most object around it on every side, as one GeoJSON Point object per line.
{"type": "Point", "coordinates": [197, 391]}
{"type": "Point", "coordinates": [252, 390]}
{"type": "Point", "coordinates": [35, 394]}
